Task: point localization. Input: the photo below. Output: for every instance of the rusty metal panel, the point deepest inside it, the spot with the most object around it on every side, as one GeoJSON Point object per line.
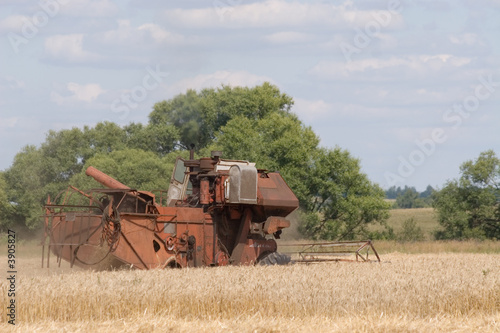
{"type": "Point", "coordinates": [278, 197]}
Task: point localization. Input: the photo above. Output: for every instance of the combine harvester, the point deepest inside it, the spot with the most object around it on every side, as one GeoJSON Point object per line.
{"type": "Point", "coordinates": [216, 212]}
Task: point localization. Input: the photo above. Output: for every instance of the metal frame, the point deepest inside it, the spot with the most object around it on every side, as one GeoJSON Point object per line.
{"type": "Point", "coordinates": [331, 251]}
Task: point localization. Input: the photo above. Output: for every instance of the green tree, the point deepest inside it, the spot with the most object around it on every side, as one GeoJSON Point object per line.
{"type": "Point", "coordinates": [342, 201]}
{"type": "Point", "coordinates": [428, 192]}
{"type": "Point", "coordinates": [105, 137]}
{"type": "Point", "coordinates": [469, 207]}
{"type": "Point", "coordinates": [6, 209]}
{"type": "Point", "coordinates": [26, 180]}
{"type": "Point", "coordinates": [135, 168]}
{"type": "Point", "coordinates": [159, 138]}
{"type": "Point", "coordinates": [337, 199]}
{"type": "Point", "coordinates": [199, 116]}
{"type": "Point", "coordinates": [410, 232]}
{"type": "Point", "coordinates": [409, 199]}
{"type": "Point", "coordinates": [277, 142]}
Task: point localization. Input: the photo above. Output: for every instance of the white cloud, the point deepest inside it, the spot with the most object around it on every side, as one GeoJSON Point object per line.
{"type": "Point", "coordinates": [126, 34]}
{"type": "Point", "coordinates": [9, 122]}
{"type": "Point", "coordinates": [75, 93]}
{"type": "Point", "coordinates": [11, 83]}
{"type": "Point", "coordinates": [381, 69]}
{"type": "Point", "coordinates": [310, 110]}
{"type": "Point", "coordinates": [237, 78]}
{"type": "Point", "coordinates": [467, 39]}
{"type": "Point", "coordinates": [92, 8]}
{"type": "Point", "coordinates": [273, 13]}
{"type": "Point", "coordinates": [69, 48]}
{"type": "Point", "coordinates": [13, 23]}
{"type": "Point", "coordinates": [286, 37]}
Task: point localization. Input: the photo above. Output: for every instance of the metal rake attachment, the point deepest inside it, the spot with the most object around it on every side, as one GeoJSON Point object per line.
{"type": "Point", "coordinates": [331, 251]}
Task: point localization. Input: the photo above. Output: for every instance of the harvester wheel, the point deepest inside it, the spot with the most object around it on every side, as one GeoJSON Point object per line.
{"type": "Point", "coordinates": [275, 258]}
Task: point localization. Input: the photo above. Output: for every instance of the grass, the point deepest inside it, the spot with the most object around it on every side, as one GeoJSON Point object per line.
{"type": "Point", "coordinates": [487, 246]}
{"type": "Point", "coordinates": [425, 218]}
{"type": "Point", "coordinates": [436, 292]}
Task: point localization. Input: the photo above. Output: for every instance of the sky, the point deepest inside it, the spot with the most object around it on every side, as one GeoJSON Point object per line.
{"type": "Point", "coordinates": [410, 88]}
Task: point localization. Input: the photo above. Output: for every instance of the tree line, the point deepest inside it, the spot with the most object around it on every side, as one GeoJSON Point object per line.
{"type": "Point", "coordinates": [337, 200]}
{"type": "Point", "coordinates": [409, 197]}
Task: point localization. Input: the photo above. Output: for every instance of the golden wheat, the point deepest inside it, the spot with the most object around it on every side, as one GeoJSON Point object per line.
{"type": "Point", "coordinates": [431, 292]}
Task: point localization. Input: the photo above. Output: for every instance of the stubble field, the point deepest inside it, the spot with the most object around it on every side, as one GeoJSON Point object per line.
{"type": "Point", "coordinates": [439, 292]}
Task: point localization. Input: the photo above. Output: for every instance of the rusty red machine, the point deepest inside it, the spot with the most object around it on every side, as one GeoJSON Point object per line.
{"type": "Point", "coordinates": [216, 212]}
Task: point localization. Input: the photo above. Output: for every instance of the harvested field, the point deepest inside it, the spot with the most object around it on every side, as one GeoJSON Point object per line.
{"type": "Point", "coordinates": [405, 293]}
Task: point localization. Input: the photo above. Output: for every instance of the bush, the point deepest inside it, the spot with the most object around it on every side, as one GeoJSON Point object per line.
{"type": "Point", "coordinates": [410, 232]}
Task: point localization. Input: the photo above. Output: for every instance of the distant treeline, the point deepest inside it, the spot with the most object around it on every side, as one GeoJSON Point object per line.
{"type": "Point", "coordinates": [409, 197]}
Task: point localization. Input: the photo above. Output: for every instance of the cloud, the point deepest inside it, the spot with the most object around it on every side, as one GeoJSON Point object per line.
{"type": "Point", "coordinates": [13, 23]}
{"type": "Point", "coordinates": [75, 93]}
{"type": "Point", "coordinates": [275, 13]}
{"type": "Point", "coordinates": [124, 45]}
{"type": "Point", "coordinates": [9, 122]}
{"type": "Point", "coordinates": [379, 69]}
{"type": "Point", "coordinates": [216, 79]}
{"type": "Point", "coordinates": [11, 83]}
{"type": "Point", "coordinates": [467, 39]}
{"type": "Point", "coordinates": [287, 37]}
{"type": "Point", "coordinates": [69, 48]}
{"type": "Point", "coordinates": [310, 110]}
{"type": "Point", "coordinates": [143, 35]}
{"type": "Point", "coordinates": [92, 8]}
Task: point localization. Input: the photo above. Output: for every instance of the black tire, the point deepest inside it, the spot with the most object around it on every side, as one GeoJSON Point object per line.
{"type": "Point", "coordinates": [275, 258]}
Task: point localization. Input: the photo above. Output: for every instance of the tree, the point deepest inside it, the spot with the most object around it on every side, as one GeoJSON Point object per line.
{"type": "Point", "coordinates": [26, 187]}
{"type": "Point", "coordinates": [277, 142]}
{"type": "Point", "coordinates": [469, 207]}
{"type": "Point", "coordinates": [410, 232]}
{"type": "Point", "coordinates": [135, 168]}
{"type": "Point", "coordinates": [184, 113]}
{"type": "Point", "coordinates": [6, 209]}
{"type": "Point", "coordinates": [338, 200]}
{"type": "Point", "coordinates": [427, 193]}
{"type": "Point", "coordinates": [342, 200]}
{"type": "Point", "coordinates": [159, 138]}
{"type": "Point", "coordinates": [199, 116]}
{"type": "Point", "coordinates": [409, 199]}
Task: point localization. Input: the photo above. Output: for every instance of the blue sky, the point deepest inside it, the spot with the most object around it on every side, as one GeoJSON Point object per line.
{"type": "Point", "coordinates": [411, 88]}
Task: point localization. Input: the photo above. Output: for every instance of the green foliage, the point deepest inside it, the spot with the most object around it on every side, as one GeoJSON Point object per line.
{"type": "Point", "coordinates": [387, 233]}
{"type": "Point", "coordinates": [245, 123]}
{"type": "Point", "coordinates": [6, 209]}
{"type": "Point", "coordinates": [158, 138]}
{"type": "Point", "coordinates": [427, 193]}
{"type": "Point", "coordinates": [276, 142]}
{"type": "Point", "coordinates": [469, 207]}
{"type": "Point", "coordinates": [341, 197]}
{"type": "Point", "coordinates": [410, 199]}
{"type": "Point", "coordinates": [410, 232]}
{"type": "Point", "coordinates": [135, 168]}
{"type": "Point", "coordinates": [199, 116]}
{"type": "Point", "coordinates": [26, 186]}
{"type": "Point", "coordinates": [338, 200]}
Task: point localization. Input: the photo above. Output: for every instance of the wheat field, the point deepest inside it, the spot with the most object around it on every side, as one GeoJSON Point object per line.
{"type": "Point", "coordinates": [405, 293]}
